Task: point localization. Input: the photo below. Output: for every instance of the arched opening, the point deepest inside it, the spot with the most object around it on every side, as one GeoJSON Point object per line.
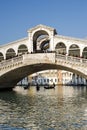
{"type": "Point", "coordinates": [60, 48]}
{"type": "Point", "coordinates": [74, 50]}
{"type": "Point", "coordinates": [40, 40]}
{"type": "Point", "coordinates": [84, 53]}
{"type": "Point", "coordinates": [44, 45]}
{"type": "Point", "coordinates": [22, 49]}
{"type": "Point", "coordinates": [10, 53]}
{"type": "Point", "coordinates": [1, 57]}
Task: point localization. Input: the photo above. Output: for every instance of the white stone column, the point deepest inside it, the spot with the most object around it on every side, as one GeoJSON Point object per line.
{"type": "Point", "coordinates": [4, 56]}
{"type": "Point", "coordinates": [30, 42]}
{"type": "Point", "coordinates": [51, 42]}
{"type": "Point", "coordinates": [81, 50]}
{"type": "Point", "coordinates": [67, 50]}
{"type": "Point", "coordinates": [16, 50]}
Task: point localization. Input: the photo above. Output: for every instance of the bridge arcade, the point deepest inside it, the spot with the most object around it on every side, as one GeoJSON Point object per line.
{"type": "Point", "coordinates": [43, 38]}
{"type": "Point", "coordinates": [43, 41]}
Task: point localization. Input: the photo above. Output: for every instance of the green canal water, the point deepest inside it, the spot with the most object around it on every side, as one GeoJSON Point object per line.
{"type": "Point", "coordinates": [62, 108]}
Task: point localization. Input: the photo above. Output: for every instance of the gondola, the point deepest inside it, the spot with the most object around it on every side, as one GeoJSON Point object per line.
{"type": "Point", "coordinates": [49, 86]}
{"type": "Point", "coordinates": [27, 86]}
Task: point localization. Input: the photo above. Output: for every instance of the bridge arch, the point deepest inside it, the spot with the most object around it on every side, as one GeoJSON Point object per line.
{"type": "Point", "coordinates": [12, 71]}
{"type": "Point", "coordinates": [10, 53]}
{"type": "Point", "coordinates": [74, 50]}
{"type": "Point", "coordinates": [24, 71]}
{"type": "Point", "coordinates": [37, 36]}
{"type": "Point", "coordinates": [22, 49]}
{"type": "Point", "coordinates": [60, 48]}
{"type": "Point", "coordinates": [84, 53]}
{"type": "Point", "coordinates": [44, 45]}
{"type": "Point", "coordinates": [1, 56]}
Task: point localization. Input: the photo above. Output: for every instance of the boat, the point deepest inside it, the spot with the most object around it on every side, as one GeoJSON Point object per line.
{"type": "Point", "coordinates": [27, 86]}
{"type": "Point", "coordinates": [37, 87]}
{"type": "Point", "coordinates": [49, 86]}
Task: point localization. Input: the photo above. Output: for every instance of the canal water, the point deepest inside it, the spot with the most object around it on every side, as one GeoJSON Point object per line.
{"type": "Point", "coordinates": [62, 108]}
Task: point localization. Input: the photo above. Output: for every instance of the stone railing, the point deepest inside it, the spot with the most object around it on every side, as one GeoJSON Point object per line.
{"type": "Point", "coordinates": [58, 57]}
{"type": "Point", "coordinates": [71, 59]}
{"type": "Point", "coordinates": [12, 61]}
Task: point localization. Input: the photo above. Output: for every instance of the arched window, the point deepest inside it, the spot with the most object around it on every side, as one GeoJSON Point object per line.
{"type": "Point", "coordinates": [60, 48]}
{"type": "Point", "coordinates": [1, 57]}
{"type": "Point", "coordinates": [74, 50]}
{"type": "Point", "coordinates": [84, 53]}
{"type": "Point", "coordinates": [22, 49]}
{"type": "Point", "coordinates": [10, 53]}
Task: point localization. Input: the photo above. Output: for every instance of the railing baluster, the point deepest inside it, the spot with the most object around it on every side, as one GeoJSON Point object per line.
{"type": "Point", "coordinates": [11, 61]}
{"type": "Point", "coordinates": [71, 59]}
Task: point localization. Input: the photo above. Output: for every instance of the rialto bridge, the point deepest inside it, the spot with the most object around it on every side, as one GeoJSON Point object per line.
{"type": "Point", "coordinates": [43, 49]}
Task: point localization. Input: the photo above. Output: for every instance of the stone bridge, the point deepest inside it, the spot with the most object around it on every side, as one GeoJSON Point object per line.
{"type": "Point", "coordinates": [42, 49]}
{"type": "Point", "coordinates": [15, 69]}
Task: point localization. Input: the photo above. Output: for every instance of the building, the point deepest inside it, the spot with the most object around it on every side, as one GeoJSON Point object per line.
{"type": "Point", "coordinates": [60, 77]}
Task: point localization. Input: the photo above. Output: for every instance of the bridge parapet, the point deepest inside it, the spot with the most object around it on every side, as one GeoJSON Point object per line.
{"type": "Point", "coordinates": [13, 70]}
{"type": "Point", "coordinates": [74, 64]}
{"type": "Point", "coordinates": [10, 62]}
{"type": "Point", "coordinates": [43, 58]}
{"type": "Point", "coordinates": [27, 59]}
{"type": "Point", "coordinates": [71, 59]}
{"type": "Point", "coordinates": [39, 58]}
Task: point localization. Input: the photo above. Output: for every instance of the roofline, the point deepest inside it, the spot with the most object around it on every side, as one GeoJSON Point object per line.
{"type": "Point", "coordinates": [71, 38]}
{"type": "Point", "coordinates": [40, 25]}
{"type": "Point", "coordinates": [19, 40]}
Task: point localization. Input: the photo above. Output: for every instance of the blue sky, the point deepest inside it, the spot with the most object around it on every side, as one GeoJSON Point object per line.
{"type": "Point", "coordinates": [68, 17]}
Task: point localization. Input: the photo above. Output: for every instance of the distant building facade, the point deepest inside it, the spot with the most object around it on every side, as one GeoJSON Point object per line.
{"type": "Point", "coordinates": [58, 77]}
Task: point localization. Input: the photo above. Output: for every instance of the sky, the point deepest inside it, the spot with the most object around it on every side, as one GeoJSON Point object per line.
{"type": "Point", "coordinates": [68, 17]}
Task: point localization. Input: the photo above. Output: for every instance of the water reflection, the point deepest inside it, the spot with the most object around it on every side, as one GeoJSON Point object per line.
{"type": "Point", "coordinates": [62, 108]}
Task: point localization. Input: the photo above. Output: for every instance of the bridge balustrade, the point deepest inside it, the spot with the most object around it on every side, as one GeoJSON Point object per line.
{"type": "Point", "coordinates": [11, 61]}
{"type": "Point", "coordinates": [19, 59]}
{"type": "Point", "coordinates": [71, 59]}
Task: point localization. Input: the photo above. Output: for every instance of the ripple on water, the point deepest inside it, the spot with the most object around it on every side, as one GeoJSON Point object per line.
{"type": "Point", "coordinates": [64, 108]}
